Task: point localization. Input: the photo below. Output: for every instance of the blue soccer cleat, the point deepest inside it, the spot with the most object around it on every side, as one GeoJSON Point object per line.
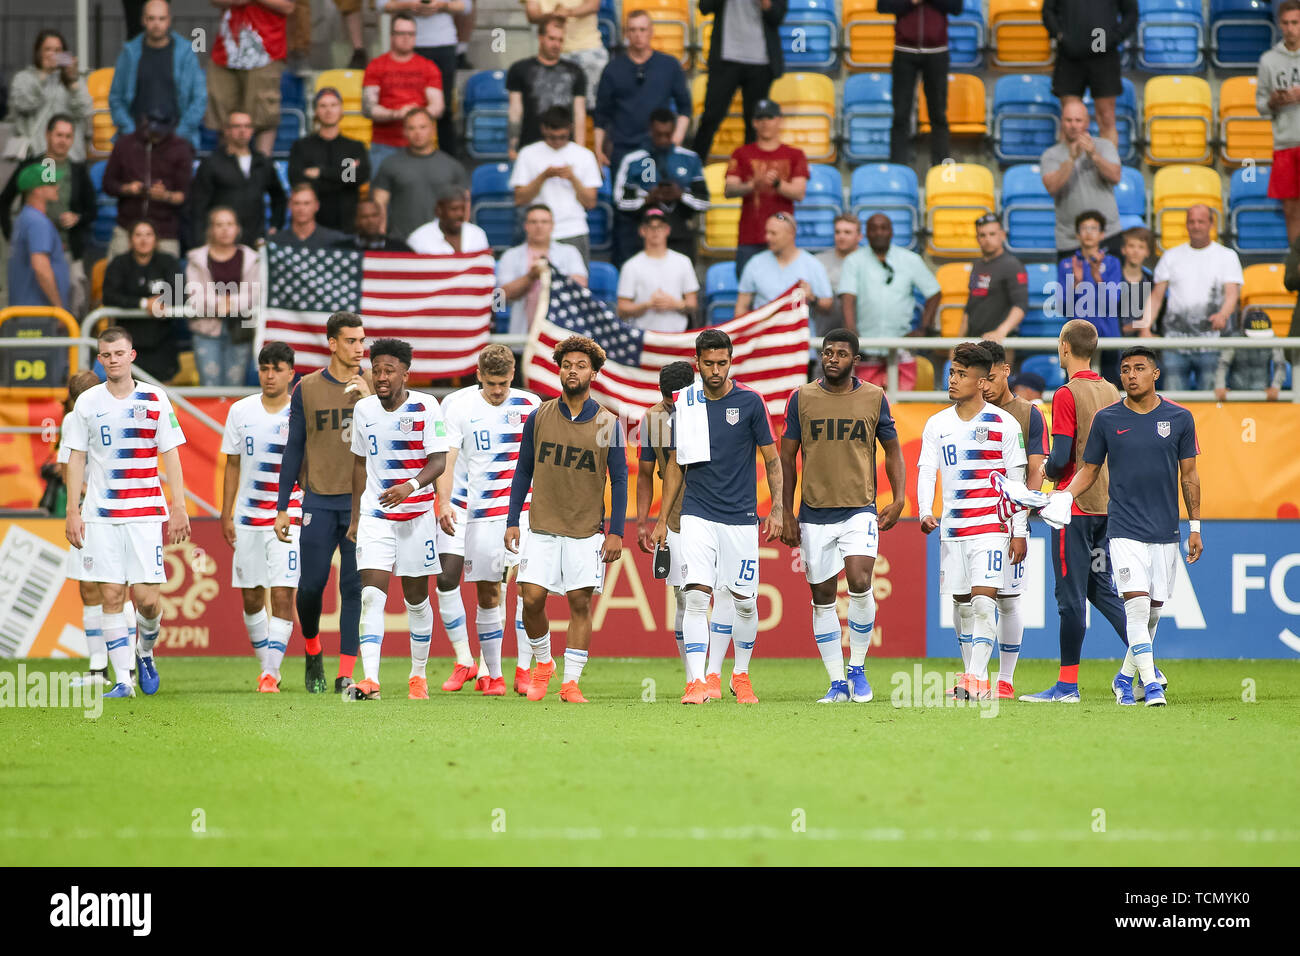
{"type": "Point", "coordinates": [838, 694]}
{"type": "Point", "coordinates": [1058, 693]}
{"type": "Point", "coordinates": [858, 684]}
{"type": "Point", "coordinates": [148, 675]}
{"type": "Point", "coordinates": [1139, 691]}
{"type": "Point", "coordinates": [1123, 688]}
{"type": "Point", "coordinates": [121, 690]}
{"type": "Point", "coordinates": [1155, 694]}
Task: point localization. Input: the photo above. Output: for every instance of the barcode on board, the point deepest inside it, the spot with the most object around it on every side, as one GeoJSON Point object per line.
{"type": "Point", "coordinates": [31, 574]}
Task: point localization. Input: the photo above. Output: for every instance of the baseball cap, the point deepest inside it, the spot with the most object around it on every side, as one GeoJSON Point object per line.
{"type": "Point", "coordinates": [766, 109]}
{"type": "Point", "coordinates": [1029, 380]}
{"type": "Point", "coordinates": [654, 212]}
{"type": "Point", "coordinates": [326, 91]}
{"type": "Point", "coordinates": [1256, 324]}
{"type": "Point", "coordinates": [38, 174]}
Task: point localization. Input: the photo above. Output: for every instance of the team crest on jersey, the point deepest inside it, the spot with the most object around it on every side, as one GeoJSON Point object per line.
{"type": "Point", "coordinates": [733, 415]}
{"type": "Point", "coordinates": [1123, 574]}
{"type": "Point", "coordinates": [404, 425]}
{"type": "Point", "coordinates": [87, 562]}
{"type": "Point", "coordinates": [514, 418]}
{"type": "Point", "coordinates": [982, 433]}
{"type": "Point", "coordinates": [140, 411]}
{"type": "Point", "coordinates": [1162, 429]}
{"type": "Point", "coordinates": [469, 565]}
{"type": "Point", "coordinates": [306, 518]}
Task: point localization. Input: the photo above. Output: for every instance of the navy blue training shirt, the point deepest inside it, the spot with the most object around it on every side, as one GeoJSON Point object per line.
{"type": "Point", "coordinates": [722, 489]}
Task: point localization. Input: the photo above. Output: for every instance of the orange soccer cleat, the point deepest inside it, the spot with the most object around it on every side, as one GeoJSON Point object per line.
{"type": "Point", "coordinates": [481, 685]}
{"type": "Point", "coordinates": [570, 694]}
{"type": "Point", "coordinates": [970, 687]}
{"type": "Point", "coordinates": [419, 688]}
{"type": "Point", "coordinates": [540, 678]}
{"type": "Point", "coordinates": [743, 689]}
{"type": "Point", "coordinates": [522, 679]}
{"type": "Point", "coordinates": [1005, 691]}
{"type": "Point", "coordinates": [266, 684]}
{"type": "Point", "coordinates": [366, 690]}
{"type": "Point", "coordinates": [496, 687]}
{"type": "Point", "coordinates": [460, 676]}
{"type": "Point", "coordinates": [695, 693]}
{"type": "Point", "coordinates": [713, 686]}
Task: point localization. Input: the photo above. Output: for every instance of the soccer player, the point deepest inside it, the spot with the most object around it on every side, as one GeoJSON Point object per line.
{"type": "Point", "coordinates": [118, 526]}
{"type": "Point", "coordinates": [1150, 445]}
{"type": "Point", "coordinates": [965, 444]}
{"type": "Point", "coordinates": [1011, 626]}
{"type": "Point", "coordinates": [257, 428]}
{"type": "Point", "coordinates": [656, 439]}
{"type": "Point", "coordinates": [836, 422]}
{"type": "Point", "coordinates": [485, 423]}
{"type": "Point", "coordinates": [399, 444]}
{"type": "Point", "coordinates": [317, 457]}
{"type": "Point", "coordinates": [718, 426]}
{"type": "Point", "coordinates": [568, 446]}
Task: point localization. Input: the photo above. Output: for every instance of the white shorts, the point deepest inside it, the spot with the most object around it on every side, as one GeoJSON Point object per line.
{"type": "Point", "coordinates": [1138, 566]}
{"type": "Point", "coordinates": [484, 547]}
{"type": "Point", "coordinates": [73, 570]}
{"type": "Point", "coordinates": [262, 560]}
{"type": "Point", "coordinates": [975, 563]}
{"type": "Point", "coordinates": [676, 578]}
{"type": "Point", "coordinates": [825, 546]}
{"type": "Point", "coordinates": [129, 553]}
{"type": "Point", "coordinates": [1013, 581]}
{"type": "Point", "coordinates": [562, 564]}
{"type": "Point", "coordinates": [404, 548]}
{"type": "Point", "coordinates": [720, 555]}
{"type": "Point", "coordinates": [454, 543]}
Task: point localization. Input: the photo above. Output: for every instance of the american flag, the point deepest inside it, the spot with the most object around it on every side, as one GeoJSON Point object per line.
{"type": "Point", "coordinates": [441, 305]}
{"type": "Point", "coordinates": [770, 349]}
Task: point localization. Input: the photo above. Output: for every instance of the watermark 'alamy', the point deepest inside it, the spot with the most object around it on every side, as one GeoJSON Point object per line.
{"type": "Point", "coordinates": [50, 689]}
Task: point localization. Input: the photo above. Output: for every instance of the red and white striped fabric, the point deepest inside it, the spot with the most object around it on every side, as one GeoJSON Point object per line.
{"type": "Point", "coordinates": [257, 437]}
{"type": "Point", "coordinates": [965, 454]}
{"type": "Point", "coordinates": [397, 445]}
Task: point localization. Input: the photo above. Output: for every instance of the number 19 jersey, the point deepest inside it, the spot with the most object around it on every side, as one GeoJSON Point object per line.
{"type": "Point", "coordinates": [486, 438]}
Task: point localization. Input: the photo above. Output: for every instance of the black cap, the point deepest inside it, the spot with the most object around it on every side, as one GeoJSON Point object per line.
{"type": "Point", "coordinates": [1029, 380]}
{"type": "Point", "coordinates": [1256, 324]}
{"type": "Point", "coordinates": [766, 109]}
{"type": "Point", "coordinates": [654, 212]}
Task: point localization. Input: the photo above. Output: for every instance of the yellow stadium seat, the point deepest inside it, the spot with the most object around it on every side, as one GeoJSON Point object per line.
{"type": "Point", "coordinates": [869, 36]}
{"type": "Point", "coordinates": [1177, 116]}
{"type": "Point", "coordinates": [924, 374]}
{"type": "Point", "coordinates": [808, 109]}
{"type": "Point", "coordinates": [732, 131]}
{"type": "Point", "coordinates": [954, 289]}
{"type": "Point", "coordinates": [1262, 288]}
{"type": "Point", "coordinates": [1018, 36]}
{"type": "Point", "coordinates": [356, 126]}
{"type": "Point", "coordinates": [102, 130]}
{"type": "Point", "coordinates": [967, 109]}
{"type": "Point", "coordinates": [97, 283]}
{"type": "Point", "coordinates": [1243, 133]}
{"type": "Point", "coordinates": [672, 27]}
{"type": "Point", "coordinates": [347, 82]}
{"type": "Point", "coordinates": [703, 37]}
{"type": "Point", "coordinates": [722, 220]}
{"type": "Point", "coordinates": [1174, 189]}
{"type": "Point", "coordinates": [956, 194]}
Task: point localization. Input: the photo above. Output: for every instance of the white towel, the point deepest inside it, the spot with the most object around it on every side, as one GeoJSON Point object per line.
{"type": "Point", "coordinates": [1016, 497]}
{"type": "Point", "coordinates": [691, 425]}
{"type": "Point", "coordinates": [1058, 510]}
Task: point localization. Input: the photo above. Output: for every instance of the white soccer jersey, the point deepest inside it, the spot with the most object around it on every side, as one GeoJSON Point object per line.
{"type": "Point", "coordinates": [486, 438]}
{"type": "Point", "coordinates": [65, 453]}
{"type": "Point", "coordinates": [258, 437]}
{"type": "Point", "coordinates": [122, 439]}
{"type": "Point", "coordinates": [397, 446]}
{"type": "Point", "coordinates": [965, 454]}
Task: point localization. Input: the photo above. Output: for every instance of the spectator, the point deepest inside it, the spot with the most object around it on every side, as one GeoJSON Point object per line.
{"type": "Point", "coordinates": [449, 233]}
{"type": "Point", "coordinates": [435, 40]}
{"type": "Point", "coordinates": [370, 230]}
{"type": "Point", "coordinates": [222, 281]}
{"type": "Point", "coordinates": [149, 172]}
{"type": "Point", "coordinates": [236, 176]}
{"type": "Point", "coordinates": [1202, 280]}
{"type": "Point", "coordinates": [1249, 369]}
{"type": "Point", "coordinates": [395, 84]}
{"type": "Point", "coordinates": [561, 174]}
{"type": "Point", "coordinates": [657, 288]}
{"type": "Point", "coordinates": [745, 53]}
{"type": "Point", "coordinates": [304, 232]}
{"type": "Point", "coordinates": [781, 265]}
{"type": "Point", "coordinates": [408, 184]}
{"type": "Point", "coordinates": [521, 267]}
{"type": "Point", "coordinates": [38, 269]}
{"type": "Point", "coordinates": [244, 74]}
{"type": "Point", "coordinates": [848, 237]}
{"type": "Point", "coordinates": [335, 165]}
{"type": "Point", "coordinates": [999, 286]}
{"type": "Point", "coordinates": [920, 48]}
{"type": "Point", "coordinates": [541, 82]}
{"type": "Point", "coordinates": [1277, 96]}
{"type": "Point", "coordinates": [464, 30]}
{"type": "Point", "coordinates": [158, 72]}
{"type": "Point", "coordinates": [1091, 282]}
{"type": "Point", "coordinates": [144, 278]}
{"type": "Point", "coordinates": [1029, 386]}
{"type": "Point", "coordinates": [583, 46]}
{"type": "Point", "coordinates": [1137, 245]}
{"type": "Point", "coordinates": [1082, 63]}
{"type": "Point", "coordinates": [299, 33]}
{"type": "Point", "coordinates": [663, 175]}
{"type": "Point", "coordinates": [876, 289]}
{"type": "Point", "coordinates": [769, 176]}
{"type": "Point", "coordinates": [50, 86]}
{"type": "Point", "coordinates": [1081, 172]}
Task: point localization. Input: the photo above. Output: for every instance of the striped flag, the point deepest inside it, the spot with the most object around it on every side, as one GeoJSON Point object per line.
{"type": "Point", "coordinates": [770, 349]}
{"type": "Point", "coordinates": [441, 305]}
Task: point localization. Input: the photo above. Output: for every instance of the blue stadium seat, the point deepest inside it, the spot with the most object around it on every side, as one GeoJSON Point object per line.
{"type": "Point", "coordinates": [208, 141]}
{"type": "Point", "coordinates": [1254, 219]}
{"type": "Point", "coordinates": [1028, 212]}
{"type": "Point", "coordinates": [1126, 119]}
{"type": "Point", "coordinates": [600, 218]}
{"type": "Point", "coordinates": [810, 36]}
{"type": "Point", "coordinates": [720, 290]}
{"type": "Point", "coordinates": [492, 204]}
{"type": "Point", "coordinates": [891, 189]}
{"type": "Point", "coordinates": [602, 280]}
{"type": "Point", "coordinates": [966, 37]}
{"type": "Point", "coordinates": [1240, 32]}
{"type": "Point", "coordinates": [484, 105]}
{"type": "Point", "coordinates": [1039, 319]}
{"type": "Point", "coordinates": [1170, 36]}
{"type": "Point", "coordinates": [293, 114]}
{"type": "Point", "coordinates": [867, 115]}
{"type": "Point", "coordinates": [1048, 366]}
{"type": "Point", "coordinates": [105, 206]}
{"type": "Point", "coordinates": [607, 22]}
{"type": "Point", "coordinates": [1026, 117]}
{"type": "Point", "coordinates": [1131, 197]}
{"type": "Point", "coordinates": [823, 201]}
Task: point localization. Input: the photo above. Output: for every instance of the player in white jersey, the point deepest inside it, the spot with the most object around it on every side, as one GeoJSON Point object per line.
{"type": "Point", "coordinates": [400, 443]}
{"type": "Point", "coordinates": [484, 427]}
{"type": "Point", "coordinates": [118, 431]}
{"type": "Point", "coordinates": [965, 444]}
{"type": "Point", "coordinates": [257, 428]}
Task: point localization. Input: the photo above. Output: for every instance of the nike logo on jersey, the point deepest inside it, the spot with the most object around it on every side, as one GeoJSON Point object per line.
{"type": "Point", "coordinates": [1122, 431]}
{"type": "Point", "coordinates": [100, 414]}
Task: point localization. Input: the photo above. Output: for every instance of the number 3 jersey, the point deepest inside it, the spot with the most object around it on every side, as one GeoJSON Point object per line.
{"type": "Point", "coordinates": [964, 454]}
{"type": "Point", "coordinates": [122, 439]}
{"type": "Point", "coordinates": [396, 446]}
{"type": "Point", "coordinates": [258, 437]}
{"type": "Point", "coordinates": [486, 438]}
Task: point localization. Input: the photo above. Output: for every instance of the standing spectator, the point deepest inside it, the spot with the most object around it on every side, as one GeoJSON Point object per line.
{"type": "Point", "coordinates": [663, 175]}
{"type": "Point", "coordinates": [876, 289]}
{"type": "Point", "coordinates": [304, 231]}
{"type": "Point", "coordinates": [1202, 280]}
{"type": "Point", "coordinates": [236, 176]}
{"type": "Point", "coordinates": [247, 61]}
{"type": "Point", "coordinates": [144, 278]}
{"type": "Point", "coordinates": [767, 175]}
{"type": "Point", "coordinates": [848, 237]}
{"type": "Point", "coordinates": [149, 172]}
{"type": "Point", "coordinates": [449, 233]}
{"type": "Point", "coordinates": [1092, 282]}
{"type": "Point", "coordinates": [1081, 173]}
{"type": "Point", "coordinates": [50, 86]}
{"type": "Point", "coordinates": [1137, 245]}
{"type": "Point", "coordinates": [920, 48]}
{"type": "Point", "coordinates": [999, 286]}
{"type": "Point", "coordinates": [1084, 63]}
{"type": "Point", "coordinates": [464, 30]}
{"type": "Point", "coordinates": [222, 280]}
{"type": "Point", "coordinates": [399, 81]}
{"type": "Point", "coordinates": [521, 268]}
{"type": "Point", "coordinates": [158, 72]}
{"type": "Point", "coordinates": [745, 53]}
{"type": "Point", "coordinates": [1249, 369]}
{"type": "Point", "coordinates": [1277, 96]}
{"type": "Point", "coordinates": [583, 46]}
{"type": "Point", "coordinates": [335, 165]}
{"type": "Point", "coordinates": [541, 82]}
{"type": "Point", "coordinates": [435, 40]}
{"type": "Point", "coordinates": [779, 266]}
{"type": "Point", "coordinates": [370, 230]}
{"type": "Point", "coordinates": [299, 26]}
{"type": "Point", "coordinates": [407, 186]}
{"type": "Point", "coordinates": [563, 175]}
{"type": "Point", "coordinates": [657, 288]}
{"type": "Point", "coordinates": [38, 269]}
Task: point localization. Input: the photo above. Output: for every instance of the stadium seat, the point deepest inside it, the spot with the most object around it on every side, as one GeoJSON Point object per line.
{"type": "Point", "coordinates": [359, 127]}
{"type": "Point", "coordinates": [600, 218]}
{"type": "Point", "coordinates": [1131, 197]}
{"type": "Point", "coordinates": [1026, 117]}
{"type": "Point", "coordinates": [1048, 366]}
{"type": "Point", "coordinates": [484, 104]}
{"type": "Point", "coordinates": [1126, 119]}
{"type": "Point", "coordinates": [672, 27]}
{"type": "Point", "coordinates": [720, 291]}
{"type": "Point", "coordinates": [868, 36]}
{"type": "Point", "coordinates": [867, 116]}
{"type": "Point", "coordinates": [1262, 288]}
{"type": "Point", "coordinates": [1028, 212]}
{"type": "Point", "coordinates": [966, 31]}
{"type": "Point", "coordinates": [1174, 189]}
{"type": "Point", "coordinates": [602, 280]}
{"type": "Point", "coordinates": [1177, 119]}
{"type": "Point", "coordinates": [956, 194]}
{"type": "Point", "coordinates": [823, 201]}
{"type": "Point", "coordinates": [1240, 32]}
{"type": "Point", "coordinates": [105, 206]}
{"type": "Point", "coordinates": [97, 283]}
{"type": "Point", "coordinates": [607, 23]}
{"type": "Point", "coordinates": [722, 218]}
{"type": "Point", "coordinates": [1044, 316]}
{"type": "Point", "coordinates": [1170, 36]}
{"type": "Point", "coordinates": [1018, 38]}
{"type": "Point", "coordinates": [891, 189]}
{"type": "Point", "coordinates": [954, 288]}
{"type": "Point", "coordinates": [293, 113]}
{"type": "Point", "coordinates": [1255, 220]}
{"type": "Point", "coordinates": [808, 106]}
{"type": "Point", "coordinates": [1244, 135]}
{"type": "Point", "coordinates": [492, 204]}
{"type": "Point", "coordinates": [102, 130]}
{"type": "Point", "coordinates": [810, 35]}
{"type": "Point", "coordinates": [731, 133]}
{"type": "Point", "coordinates": [967, 107]}
{"type": "Point", "coordinates": [348, 83]}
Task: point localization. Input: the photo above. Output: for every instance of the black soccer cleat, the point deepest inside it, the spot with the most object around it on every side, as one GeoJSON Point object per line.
{"type": "Point", "coordinates": [341, 684]}
{"type": "Point", "coordinates": [316, 673]}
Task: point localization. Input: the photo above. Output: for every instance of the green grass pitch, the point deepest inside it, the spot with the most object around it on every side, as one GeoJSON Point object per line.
{"type": "Point", "coordinates": [211, 773]}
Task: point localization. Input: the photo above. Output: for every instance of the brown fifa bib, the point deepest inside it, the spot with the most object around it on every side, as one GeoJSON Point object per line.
{"type": "Point", "coordinates": [1019, 409]}
{"type": "Point", "coordinates": [1090, 397]}
{"type": "Point", "coordinates": [569, 472]}
{"type": "Point", "coordinates": [656, 431]}
{"type": "Point", "coordinates": [837, 433]}
{"type": "Point", "coordinates": [327, 457]}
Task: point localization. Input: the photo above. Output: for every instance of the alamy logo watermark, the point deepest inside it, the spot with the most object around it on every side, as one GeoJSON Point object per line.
{"type": "Point", "coordinates": [78, 909]}
{"type": "Point", "coordinates": [21, 688]}
{"type": "Point", "coordinates": [921, 688]}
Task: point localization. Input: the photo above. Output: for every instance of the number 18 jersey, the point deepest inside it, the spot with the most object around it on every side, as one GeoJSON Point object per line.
{"type": "Point", "coordinates": [964, 454]}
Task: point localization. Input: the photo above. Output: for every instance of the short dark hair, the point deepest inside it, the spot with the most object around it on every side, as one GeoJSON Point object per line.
{"type": "Point", "coordinates": [556, 117]}
{"type": "Point", "coordinates": [997, 354]}
{"type": "Point", "coordinates": [580, 343]}
{"type": "Point", "coordinates": [664, 115]}
{"type": "Point", "coordinates": [843, 335]}
{"type": "Point", "coordinates": [402, 16]}
{"type": "Point", "coordinates": [273, 353]}
{"type": "Point", "coordinates": [675, 376]}
{"type": "Point", "coordinates": [1092, 214]}
{"type": "Point", "coordinates": [58, 118]}
{"type": "Point", "coordinates": [973, 355]}
{"type": "Point", "coordinates": [1142, 233]}
{"type": "Point", "coordinates": [418, 111]}
{"type": "Point", "coordinates": [545, 23]}
{"type": "Point", "coordinates": [302, 187]}
{"type": "Point", "coordinates": [450, 192]}
{"type": "Point", "coordinates": [340, 321]}
{"type": "Point", "coordinates": [393, 347]}
{"type": "Point", "coordinates": [712, 339]}
{"type": "Point", "coordinates": [1286, 6]}
{"type": "Point", "coordinates": [115, 332]}
{"type": "Point", "coordinates": [1140, 351]}
{"type": "Point", "coordinates": [547, 209]}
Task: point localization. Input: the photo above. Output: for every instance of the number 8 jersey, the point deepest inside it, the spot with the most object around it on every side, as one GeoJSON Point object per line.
{"type": "Point", "coordinates": [258, 437]}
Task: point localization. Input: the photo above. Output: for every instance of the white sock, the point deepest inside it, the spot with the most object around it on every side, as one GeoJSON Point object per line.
{"type": "Point", "coordinates": [695, 633]}
{"type": "Point", "coordinates": [541, 647]}
{"type": "Point", "coordinates": [862, 621]}
{"type": "Point", "coordinates": [1140, 644]}
{"type": "Point", "coordinates": [277, 643]}
{"type": "Point", "coordinates": [1011, 631]}
{"type": "Point", "coordinates": [574, 661]}
{"type": "Point", "coordinates": [92, 619]}
{"type": "Point", "coordinates": [420, 620]}
{"type": "Point", "coordinates": [118, 645]}
{"type": "Point", "coordinates": [983, 628]}
{"type": "Point", "coordinates": [678, 614]}
{"type": "Point", "coordinates": [372, 630]}
{"type": "Point", "coordinates": [745, 633]}
{"type": "Point", "coordinates": [826, 632]}
{"type": "Point", "coordinates": [521, 637]}
{"type": "Point", "coordinates": [452, 610]}
{"type": "Point", "coordinates": [256, 625]}
{"type": "Point", "coordinates": [1128, 668]}
{"type": "Point", "coordinates": [491, 633]}
{"type": "Point", "coordinates": [1153, 621]}
{"type": "Point", "coordinates": [721, 627]}
{"type": "Point", "coordinates": [148, 628]}
{"type": "Point", "coordinates": [962, 621]}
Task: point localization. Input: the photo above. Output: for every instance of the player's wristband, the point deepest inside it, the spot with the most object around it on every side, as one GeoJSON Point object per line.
{"type": "Point", "coordinates": [1194, 525]}
{"type": "Point", "coordinates": [415, 485]}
